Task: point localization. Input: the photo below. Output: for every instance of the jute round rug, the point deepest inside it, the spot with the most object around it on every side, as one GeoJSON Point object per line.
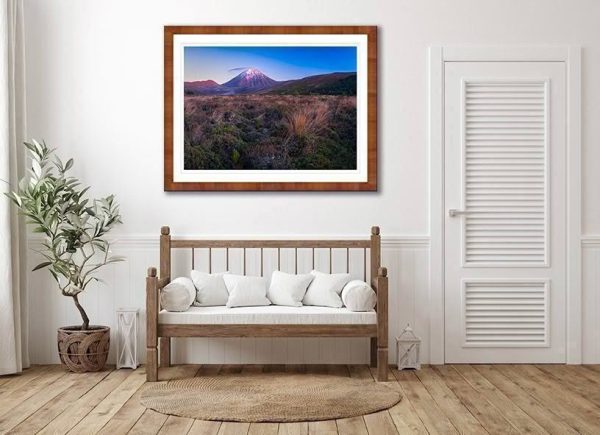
{"type": "Point", "coordinates": [269, 397]}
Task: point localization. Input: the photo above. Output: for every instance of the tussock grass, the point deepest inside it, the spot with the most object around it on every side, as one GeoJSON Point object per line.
{"type": "Point", "coordinates": [270, 132]}
{"type": "Point", "coordinates": [307, 120]}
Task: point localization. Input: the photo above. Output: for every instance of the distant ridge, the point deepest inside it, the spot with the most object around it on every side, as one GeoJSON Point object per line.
{"type": "Point", "coordinates": [199, 85]}
{"type": "Point", "coordinates": [254, 81]}
{"type": "Point", "coordinates": [337, 83]}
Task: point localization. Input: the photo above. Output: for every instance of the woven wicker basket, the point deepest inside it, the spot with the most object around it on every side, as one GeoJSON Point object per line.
{"type": "Point", "coordinates": [83, 351]}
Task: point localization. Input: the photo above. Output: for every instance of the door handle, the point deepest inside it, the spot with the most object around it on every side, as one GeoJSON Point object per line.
{"type": "Point", "coordinates": [454, 212]}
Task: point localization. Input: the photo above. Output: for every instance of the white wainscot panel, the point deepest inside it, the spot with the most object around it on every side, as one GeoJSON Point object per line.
{"type": "Point", "coordinates": [407, 260]}
{"type": "Point", "coordinates": [591, 300]}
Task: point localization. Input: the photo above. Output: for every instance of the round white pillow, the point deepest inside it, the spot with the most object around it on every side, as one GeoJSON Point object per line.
{"type": "Point", "coordinates": [178, 295]}
{"type": "Point", "coordinates": [358, 296]}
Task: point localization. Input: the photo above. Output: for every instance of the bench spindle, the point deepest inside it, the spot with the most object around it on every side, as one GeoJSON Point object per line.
{"type": "Point", "coordinates": [365, 265]}
{"type": "Point", "coordinates": [347, 260]}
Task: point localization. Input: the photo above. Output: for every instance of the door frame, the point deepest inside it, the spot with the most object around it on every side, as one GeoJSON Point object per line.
{"type": "Point", "coordinates": [571, 56]}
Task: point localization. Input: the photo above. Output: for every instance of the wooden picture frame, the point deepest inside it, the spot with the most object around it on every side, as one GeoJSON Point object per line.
{"type": "Point", "coordinates": [362, 177]}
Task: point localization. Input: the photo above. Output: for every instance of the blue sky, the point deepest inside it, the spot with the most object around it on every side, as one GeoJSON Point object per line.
{"type": "Point", "coordinates": [280, 63]}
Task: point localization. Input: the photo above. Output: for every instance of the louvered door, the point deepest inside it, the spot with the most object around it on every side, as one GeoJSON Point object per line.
{"type": "Point", "coordinates": [505, 196]}
{"type": "Point", "coordinates": [505, 149]}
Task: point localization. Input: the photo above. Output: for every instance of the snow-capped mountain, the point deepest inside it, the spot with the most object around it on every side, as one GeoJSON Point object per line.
{"type": "Point", "coordinates": [251, 79]}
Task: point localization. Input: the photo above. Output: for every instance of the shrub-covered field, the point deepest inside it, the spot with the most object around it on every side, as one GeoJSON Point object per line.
{"type": "Point", "coordinates": [270, 132]}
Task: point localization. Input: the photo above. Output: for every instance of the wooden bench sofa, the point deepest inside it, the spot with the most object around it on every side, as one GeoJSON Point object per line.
{"type": "Point", "coordinates": [160, 332]}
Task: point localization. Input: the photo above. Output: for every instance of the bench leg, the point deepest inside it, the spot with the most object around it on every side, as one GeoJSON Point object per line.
{"type": "Point", "coordinates": [151, 364]}
{"type": "Point", "coordinates": [373, 352]}
{"type": "Point", "coordinates": [165, 351]}
{"type": "Point", "coordinates": [382, 364]}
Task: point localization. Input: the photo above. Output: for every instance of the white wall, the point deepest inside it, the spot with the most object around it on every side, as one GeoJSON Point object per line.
{"type": "Point", "coordinates": [94, 85]}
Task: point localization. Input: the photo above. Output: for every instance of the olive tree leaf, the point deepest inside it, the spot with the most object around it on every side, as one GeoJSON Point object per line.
{"type": "Point", "coordinates": [41, 265]}
{"type": "Point", "coordinates": [36, 168]}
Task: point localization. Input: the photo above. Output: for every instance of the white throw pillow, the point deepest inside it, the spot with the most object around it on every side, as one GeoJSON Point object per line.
{"type": "Point", "coordinates": [288, 289]}
{"type": "Point", "coordinates": [325, 289]}
{"type": "Point", "coordinates": [210, 289]}
{"type": "Point", "coordinates": [359, 296]}
{"type": "Point", "coordinates": [178, 295]}
{"type": "Point", "coordinates": [246, 291]}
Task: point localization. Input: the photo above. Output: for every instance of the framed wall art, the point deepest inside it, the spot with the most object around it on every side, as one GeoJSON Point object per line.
{"type": "Point", "coordinates": [270, 108]}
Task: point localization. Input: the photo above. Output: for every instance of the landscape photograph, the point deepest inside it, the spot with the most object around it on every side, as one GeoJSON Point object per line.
{"type": "Point", "coordinates": [270, 108]}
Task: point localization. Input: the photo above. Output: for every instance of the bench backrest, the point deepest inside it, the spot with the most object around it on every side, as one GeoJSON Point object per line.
{"type": "Point", "coordinates": [371, 248]}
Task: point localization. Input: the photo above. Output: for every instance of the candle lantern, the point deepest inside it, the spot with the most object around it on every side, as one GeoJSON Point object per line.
{"type": "Point", "coordinates": [127, 328]}
{"type": "Point", "coordinates": [408, 347]}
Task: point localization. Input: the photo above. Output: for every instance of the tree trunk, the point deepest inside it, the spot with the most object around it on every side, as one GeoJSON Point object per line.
{"type": "Point", "coordinates": [84, 317]}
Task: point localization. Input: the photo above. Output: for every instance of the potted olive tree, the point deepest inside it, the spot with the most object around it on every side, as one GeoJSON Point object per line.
{"type": "Point", "coordinates": [74, 246]}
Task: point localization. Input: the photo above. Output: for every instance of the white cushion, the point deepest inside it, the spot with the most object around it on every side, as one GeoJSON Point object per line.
{"type": "Point", "coordinates": [245, 291]}
{"type": "Point", "coordinates": [288, 289]}
{"type": "Point", "coordinates": [178, 295]}
{"type": "Point", "coordinates": [271, 315]}
{"type": "Point", "coordinates": [210, 289]}
{"type": "Point", "coordinates": [325, 289]}
{"type": "Point", "coordinates": [359, 296]}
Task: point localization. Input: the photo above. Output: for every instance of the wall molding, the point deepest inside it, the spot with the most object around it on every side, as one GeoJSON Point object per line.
{"type": "Point", "coordinates": [133, 240]}
{"type": "Point", "coordinates": [145, 240]}
{"type": "Point", "coordinates": [591, 240]}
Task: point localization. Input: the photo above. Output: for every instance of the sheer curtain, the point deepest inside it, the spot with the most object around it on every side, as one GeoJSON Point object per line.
{"type": "Point", "coordinates": [13, 298]}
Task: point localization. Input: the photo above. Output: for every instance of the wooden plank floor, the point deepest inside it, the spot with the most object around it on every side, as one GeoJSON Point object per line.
{"type": "Point", "coordinates": [470, 399]}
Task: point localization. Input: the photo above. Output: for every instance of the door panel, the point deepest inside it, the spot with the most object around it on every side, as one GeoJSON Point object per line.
{"type": "Point", "coordinates": [505, 313]}
{"type": "Point", "coordinates": [504, 166]}
{"type": "Point", "coordinates": [505, 227]}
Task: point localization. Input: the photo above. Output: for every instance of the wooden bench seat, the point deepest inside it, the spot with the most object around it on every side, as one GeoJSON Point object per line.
{"type": "Point", "coordinates": [272, 321]}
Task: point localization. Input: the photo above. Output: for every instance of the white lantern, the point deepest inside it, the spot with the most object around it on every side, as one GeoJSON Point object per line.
{"type": "Point", "coordinates": [408, 346]}
{"type": "Point", "coordinates": [127, 319]}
